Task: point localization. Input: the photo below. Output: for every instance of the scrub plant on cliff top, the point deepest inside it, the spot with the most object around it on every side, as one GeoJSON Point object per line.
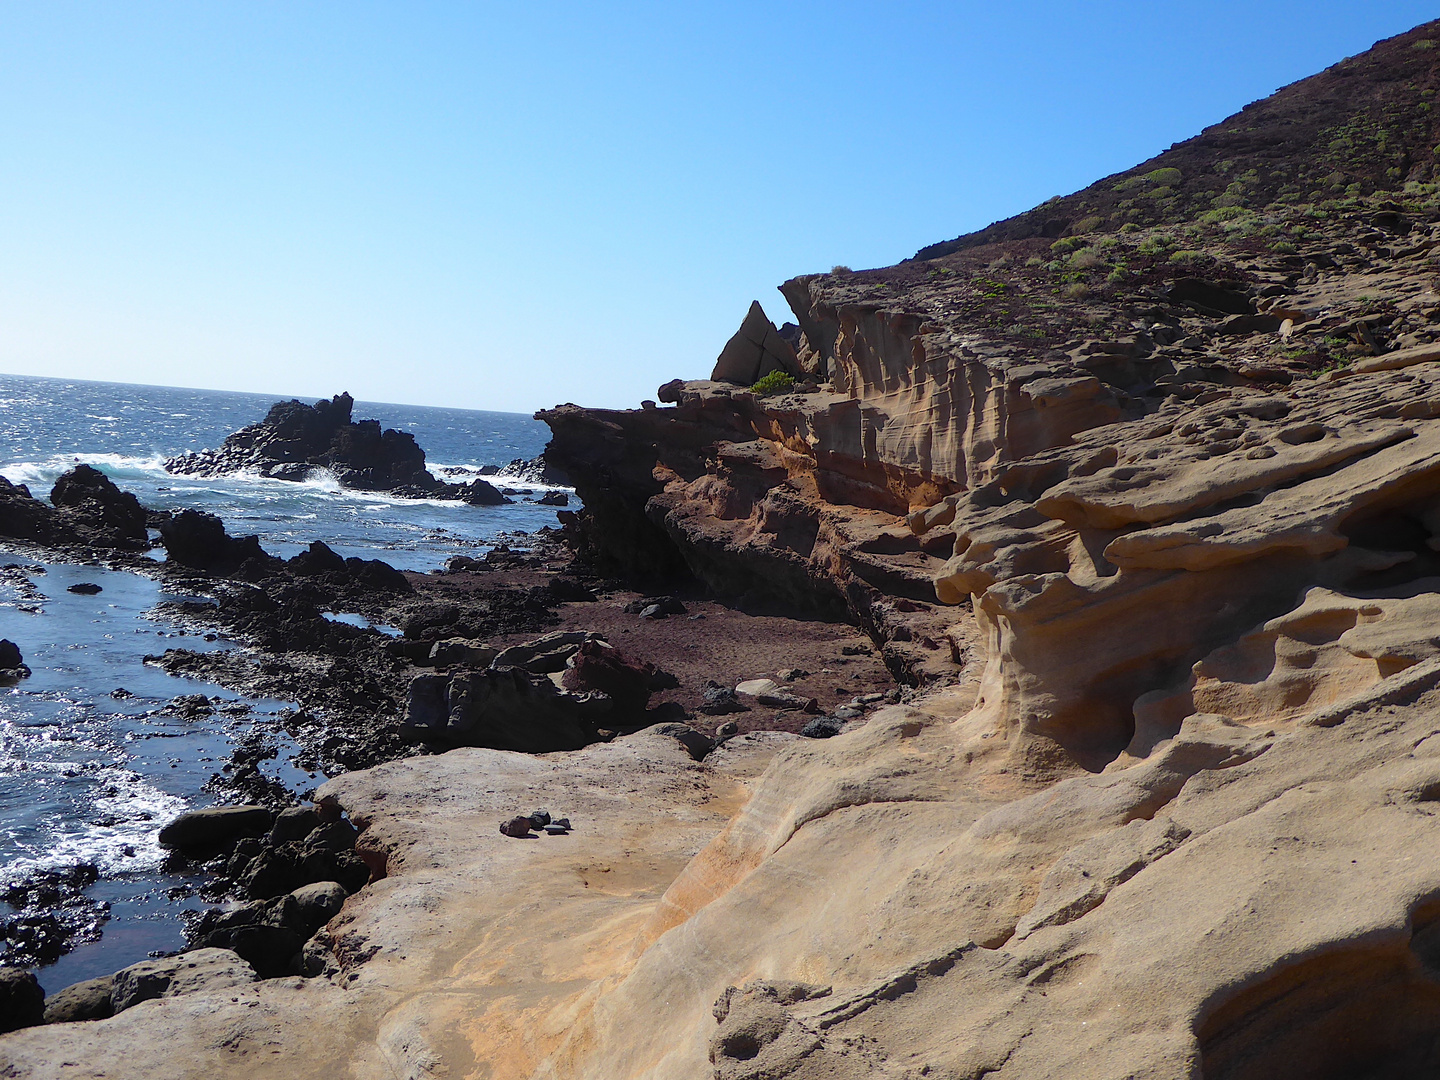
{"type": "Point", "coordinates": [777, 382]}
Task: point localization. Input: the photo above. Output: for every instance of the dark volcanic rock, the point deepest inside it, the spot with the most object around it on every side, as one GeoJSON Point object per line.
{"type": "Point", "coordinates": [598, 666]}
{"type": "Point", "coordinates": [105, 515]}
{"type": "Point", "coordinates": [89, 510]}
{"type": "Point", "coordinates": [196, 539]}
{"type": "Point", "coordinates": [502, 708]}
{"type": "Point", "coordinates": [200, 830]}
{"type": "Point", "coordinates": [294, 439]}
{"type": "Point", "coordinates": [22, 1002]}
{"type": "Point", "coordinates": [52, 915]}
{"type": "Point", "coordinates": [10, 658]}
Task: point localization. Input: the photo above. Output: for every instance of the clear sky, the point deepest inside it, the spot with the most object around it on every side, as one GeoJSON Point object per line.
{"type": "Point", "coordinates": [506, 206]}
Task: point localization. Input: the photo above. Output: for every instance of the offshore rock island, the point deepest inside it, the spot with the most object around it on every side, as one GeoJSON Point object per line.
{"type": "Point", "coordinates": [1136, 497]}
{"type": "Point", "coordinates": [296, 440]}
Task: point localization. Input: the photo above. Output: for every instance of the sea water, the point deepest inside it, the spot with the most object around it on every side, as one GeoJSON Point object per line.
{"type": "Point", "coordinates": [92, 762]}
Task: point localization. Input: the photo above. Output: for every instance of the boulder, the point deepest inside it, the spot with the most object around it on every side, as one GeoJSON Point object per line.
{"type": "Point", "coordinates": [376, 575]}
{"type": "Point", "coordinates": [10, 658]}
{"type": "Point", "coordinates": [88, 1000]}
{"type": "Point", "coordinates": [191, 972]}
{"type": "Point", "coordinates": [22, 1002]}
{"type": "Point", "coordinates": [696, 743]}
{"type": "Point", "coordinates": [717, 700]}
{"type": "Point", "coordinates": [266, 934]}
{"type": "Point", "coordinates": [517, 827]}
{"type": "Point", "coordinates": [656, 607]}
{"type": "Point", "coordinates": [327, 854]}
{"type": "Point", "coordinates": [23, 517]}
{"type": "Point", "coordinates": [105, 515]}
{"type": "Point", "coordinates": [755, 350]}
{"type": "Point", "coordinates": [545, 654]}
{"type": "Point", "coordinates": [461, 651]}
{"type": "Point", "coordinates": [293, 823]}
{"type": "Point", "coordinates": [319, 558]}
{"type": "Point", "coordinates": [319, 902]}
{"type": "Point", "coordinates": [505, 708]}
{"type": "Point", "coordinates": [198, 540]}
{"type": "Point", "coordinates": [1210, 297]}
{"type": "Point", "coordinates": [481, 493]}
{"type": "Point", "coordinates": [823, 727]}
{"type": "Point", "coordinates": [597, 666]}
{"type": "Point", "coordinates": [215, 827]}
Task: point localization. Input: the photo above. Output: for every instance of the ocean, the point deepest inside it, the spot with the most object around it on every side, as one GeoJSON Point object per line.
{"type": "Point", "coordinates": [94, 755]}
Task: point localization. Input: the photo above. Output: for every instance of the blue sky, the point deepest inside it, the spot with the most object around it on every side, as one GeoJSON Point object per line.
{"type": "Point", "coordinates": [508, 206]}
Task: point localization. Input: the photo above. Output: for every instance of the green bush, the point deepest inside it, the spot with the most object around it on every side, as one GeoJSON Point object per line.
{"type": "Point", "coordinates": [1089, 224]}
{"type": "Point", "coordinates": [1129, 227]}
{"type": "Point", "coordinates": [1188, 258]}
{"type": "Point", "coordinates": [1167, 177]}
{"type": "Point", "coordinates": [1066, 245]}
{"type": "Point", "coordinates": [1223, 214]}
{"type": "Point", "coordinates": [777, 382]}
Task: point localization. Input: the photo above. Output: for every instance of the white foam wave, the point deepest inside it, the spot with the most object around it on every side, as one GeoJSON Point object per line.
{"type": "Point", "coordinates": [116, 466]}
{"type": "Point", "coordinates": [138, 811]}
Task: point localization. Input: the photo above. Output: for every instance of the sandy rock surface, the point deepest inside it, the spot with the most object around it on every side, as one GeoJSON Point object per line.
{"type": "Point", "coordinates": [472, 938]}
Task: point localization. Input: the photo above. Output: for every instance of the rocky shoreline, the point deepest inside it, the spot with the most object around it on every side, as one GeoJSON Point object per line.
{"type": "Point", "coordinates": [365, 697]}
{"type": "Point", "coordinates": [1125, 512]}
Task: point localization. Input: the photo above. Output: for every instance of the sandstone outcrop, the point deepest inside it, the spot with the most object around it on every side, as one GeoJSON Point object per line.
{"type": "Point", "coordinates": [294, 440]}
{"type": "Point", "coordinates": [754, 351]}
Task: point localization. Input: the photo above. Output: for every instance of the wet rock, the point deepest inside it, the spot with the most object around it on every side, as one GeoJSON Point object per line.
{"type": "Point", "coordinates": [319, 558]}
{"type": "Point", "coordinates": [22, 1002]}
{"type": "Point", "coordinates": [196, 539]}
{"type": "Point", "coordinates": [53, 915]}
{"type": "Point", "coordinates": [100, 513]}
{"type": "Point", "coordinates": [294, 823]}
{"type": "Point", "coordinates": [190, 972]}
{"type": "Point", "coordinates": [24, 517]}
{"type": "Point", "coordinates": [376, 575]}
{"type": "Point", "coordinates": [85, 588]}
{"type": "Point", "coordinates": [88, 1000]}
{"type": "Point", "coordinates": [554, 498]}
{"type": "Point", "coordinates": [215, 827]}
{"type": "Point", "coordinates": [296, 439]}
{"type": "Point", "coordinates": [12, 665]}
{"type": "Point", "coordinates": [327, 854]}
{"type": "Point", "coordinates": [267, 934]}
